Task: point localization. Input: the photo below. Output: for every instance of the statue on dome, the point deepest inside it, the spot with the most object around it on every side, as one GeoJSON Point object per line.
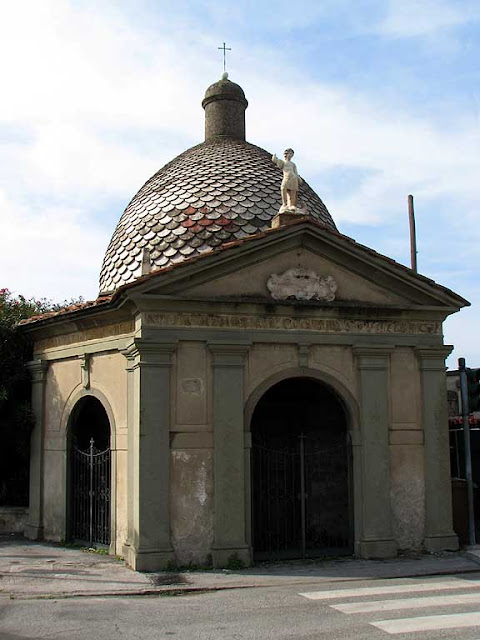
{"type": "Point", "coordinates": [291, 181]}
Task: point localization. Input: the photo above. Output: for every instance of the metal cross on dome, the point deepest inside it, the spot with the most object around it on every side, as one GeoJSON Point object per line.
{"type": "Point", "coordinates": [224, 49]}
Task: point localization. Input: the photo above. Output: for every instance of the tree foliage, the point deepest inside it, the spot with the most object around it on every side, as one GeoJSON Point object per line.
{"type": "Point", "coordinates": [16, 416]}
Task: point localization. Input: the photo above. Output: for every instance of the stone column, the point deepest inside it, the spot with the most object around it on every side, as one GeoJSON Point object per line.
{"type": "Point", "coordinates": [229, 454]}
{"type": "Point", "coordinates": [248, 488]}
{"type": "Point", "coordinates": [438, 492]}
{"type": "Point", "coordinates": [149, 546]}
{"type": "Point", "coordinates": [34, 528]}
{"type": "Point", "coordinates": [376, 538]}
{"type": "Point", "coordinates": [130, 447]}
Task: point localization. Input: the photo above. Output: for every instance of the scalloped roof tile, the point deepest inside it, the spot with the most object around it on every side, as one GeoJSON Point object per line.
{"type": "Point", "coordinates": [216, 192]}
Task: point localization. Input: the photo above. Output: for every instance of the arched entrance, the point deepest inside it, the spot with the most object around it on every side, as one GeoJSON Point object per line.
{"type": "Point", "coordinates": [301, 469]}
{"type": "Point", "coordinates": [89, 473]}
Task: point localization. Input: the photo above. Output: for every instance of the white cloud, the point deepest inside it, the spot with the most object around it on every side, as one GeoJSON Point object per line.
{"type": "Point", "coordinates": [411, 18]}
{"type": "Point", "coordinates": [100, 102]}
{"type": "Point", "coordinates": [400, 154]}
{"type": "Point", "coordinates": [49, 252]}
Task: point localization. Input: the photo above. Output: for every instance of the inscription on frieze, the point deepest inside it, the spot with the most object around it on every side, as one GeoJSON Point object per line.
{"type": "Point", "coordinates": [274, 322]}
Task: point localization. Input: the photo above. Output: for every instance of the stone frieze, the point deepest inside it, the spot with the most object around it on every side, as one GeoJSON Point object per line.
{"type": "Point", "coordinates": [285, 323]}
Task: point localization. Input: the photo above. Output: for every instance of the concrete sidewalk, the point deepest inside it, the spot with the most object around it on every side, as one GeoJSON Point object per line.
{"type": "Point", "coordinates": [41, 570]}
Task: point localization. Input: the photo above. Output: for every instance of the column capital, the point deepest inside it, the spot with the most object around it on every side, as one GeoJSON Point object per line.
{"type": "Point", "coordinates": [433, 358]}
{"type": "Point", "coordinates": [228, 354]}
{"type": "Point", "coordinates": [373, 356]}
{"type": "Point", "coordinates": [143, 352]}
{"type": "Point", "coordinates": [38, 370]}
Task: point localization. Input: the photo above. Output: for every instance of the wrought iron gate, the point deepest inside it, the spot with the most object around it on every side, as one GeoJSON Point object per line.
{"type": "Point", "coordinates": [90, 495]}
{"type": "Point", "coordinates": [300, 500]}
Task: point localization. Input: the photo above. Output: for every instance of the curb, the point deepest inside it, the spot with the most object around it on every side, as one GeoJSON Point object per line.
{"type": "Point", "coordinates": [189, 590]}
{"type": "Point", "coordinates": [115, 594]}
{"type": "Point", "coordinates": [473, 556]}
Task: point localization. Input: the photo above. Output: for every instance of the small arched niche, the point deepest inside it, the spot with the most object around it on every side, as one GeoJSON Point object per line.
{"type": "Point", "coordinates": [89, 473]}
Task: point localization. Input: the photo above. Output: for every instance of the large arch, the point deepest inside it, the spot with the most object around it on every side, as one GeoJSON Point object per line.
{"type": "Point", "coordinates": [89, 434]}
{"type": "Point", "coordinates": [302, 498]}
{"type": "Point", "coordinates": [343, 392]}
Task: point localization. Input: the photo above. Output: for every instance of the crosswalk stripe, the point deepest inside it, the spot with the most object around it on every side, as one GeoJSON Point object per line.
{"type": "Point", "coordinates": [429, 623]}
{"type": "Point", "coordinates": [456, 583]}
{"type": "Point", "coordinates": [407, 603]}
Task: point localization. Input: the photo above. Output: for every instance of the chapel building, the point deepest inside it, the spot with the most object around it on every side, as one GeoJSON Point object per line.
{"type": "Point", "coordinates": [248, 385]}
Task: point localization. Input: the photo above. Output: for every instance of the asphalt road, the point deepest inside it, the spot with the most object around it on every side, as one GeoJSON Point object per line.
{"type": "Point", "coordinates": [406, 608]}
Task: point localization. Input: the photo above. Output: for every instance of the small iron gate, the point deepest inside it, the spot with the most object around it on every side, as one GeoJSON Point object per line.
{"type": "Point", "coordinates": [90, 495]}
{"type": "Point", "coordinates": [300, 500]}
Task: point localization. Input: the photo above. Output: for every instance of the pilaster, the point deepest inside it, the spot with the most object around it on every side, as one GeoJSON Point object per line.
{"type": "Point", "coordinates": [229, 454]}
{"type": "Point", "coordinates": [149, 364]}
{"type": "Point", "coordinates": [439, 533]}
{"type": "Point", "coordinates": [34, 528]}
{"type": "Point", "coordinates": [130, 357]}
{"type": "Point", "coordinates": [373, 365]}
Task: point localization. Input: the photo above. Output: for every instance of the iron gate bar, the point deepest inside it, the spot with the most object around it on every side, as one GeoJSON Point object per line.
{"type": "Point", "coordinates": [91, 495]}
{"type": "Point", "coordinates": [281, 484]}
{"type": "Point", "coordinates": [303, 497]}
{"type": "Point", "coordinates": [90, 492]}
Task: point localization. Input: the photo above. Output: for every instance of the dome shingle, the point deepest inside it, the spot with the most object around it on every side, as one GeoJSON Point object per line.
{"type": "Point", "coordinates": [221, 190]}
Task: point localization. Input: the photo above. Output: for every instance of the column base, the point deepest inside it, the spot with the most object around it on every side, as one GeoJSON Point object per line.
{"type": "Point", "coordinates": [231, 557]}
{"type": "Point", "coordinates": [148, 560]}
{"type": "Point", "coordinates": [33, 531]}
{"type": "Point", "coordinates": [441, 543]}
{"type": "Point", "coordinates": [371, 549]}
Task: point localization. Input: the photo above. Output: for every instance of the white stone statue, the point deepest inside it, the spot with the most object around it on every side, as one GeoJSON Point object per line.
{"type": "Point", "coordinates": [290, 182]}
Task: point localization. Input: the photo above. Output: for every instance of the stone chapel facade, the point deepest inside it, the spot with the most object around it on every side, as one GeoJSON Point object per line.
{"type": "Point", "coordinates": [261, 391]}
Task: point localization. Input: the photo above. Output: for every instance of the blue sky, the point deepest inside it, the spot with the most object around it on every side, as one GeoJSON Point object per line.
{"type": "Point", "coordinates": [379, 99]}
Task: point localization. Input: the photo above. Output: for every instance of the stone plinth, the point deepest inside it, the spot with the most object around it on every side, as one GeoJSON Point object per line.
{"type": "Point", "coordinates": [284, 217]}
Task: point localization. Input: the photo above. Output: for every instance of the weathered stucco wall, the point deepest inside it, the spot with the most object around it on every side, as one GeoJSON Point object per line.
{"type": "Point", "coordinates": [265, 360]}
{"type": "Point", "coordinates": [63, 379]}
{"type": "Point", "coordinates": [191, 462]}
{"type": "Point", "coordinates": [191, 497]}
{"type": "Point", "coordinates": [406, 451]}
{"type": "Point", "coordinates": [13, 519]}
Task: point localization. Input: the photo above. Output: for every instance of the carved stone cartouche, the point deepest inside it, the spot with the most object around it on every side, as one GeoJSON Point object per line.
{"type": "Point", "coordinates": [301, 284]}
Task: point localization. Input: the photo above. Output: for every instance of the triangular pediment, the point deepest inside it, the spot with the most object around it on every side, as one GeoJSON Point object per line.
{"type": "Point", "coordinates": [243, 272]}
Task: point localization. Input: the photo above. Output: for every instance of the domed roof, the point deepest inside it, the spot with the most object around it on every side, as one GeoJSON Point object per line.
{"type": "Point", "coordinates": [224, 89]}
{"type": "Point", "coordinates": [219, 191]}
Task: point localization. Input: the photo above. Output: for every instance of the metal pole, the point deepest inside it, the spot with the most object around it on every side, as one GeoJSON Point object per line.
{"type": "Point", "coordinates": [413, 235]}
{"type": "Point", "coordinates": [302, 493]}
{"type": "Point", "coordinates": [468, 452]}
{"type": "Point", "coordinates": [91, 492]}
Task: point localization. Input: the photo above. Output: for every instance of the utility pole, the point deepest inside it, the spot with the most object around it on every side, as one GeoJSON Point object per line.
{"type": "Point", "coordinates": [468, 453]}
{"type": "Point", "coordinates": [413, 234]}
